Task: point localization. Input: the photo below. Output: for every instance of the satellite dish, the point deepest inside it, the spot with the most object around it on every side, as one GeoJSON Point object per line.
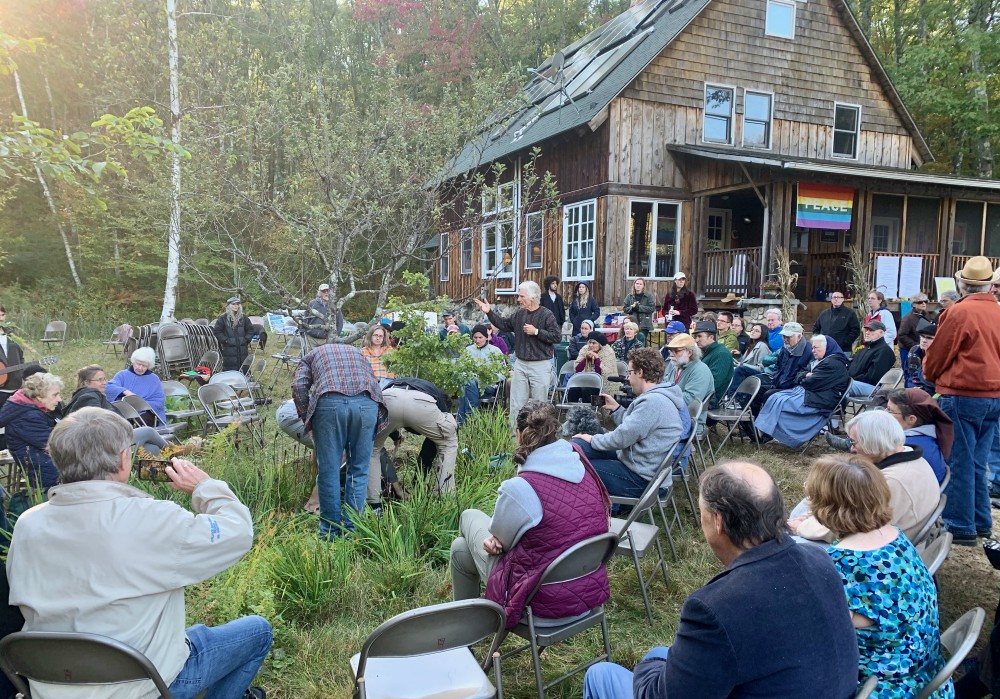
{"type": "Point", "coordinates": [558, 61]}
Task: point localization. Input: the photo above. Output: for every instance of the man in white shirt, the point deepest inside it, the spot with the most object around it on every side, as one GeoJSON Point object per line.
{"type": "Point", "coordinates": [106, 558]}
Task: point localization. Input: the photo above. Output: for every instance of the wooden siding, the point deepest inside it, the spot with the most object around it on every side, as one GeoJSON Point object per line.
{"type": "Point", "coordinates": [822, 65]}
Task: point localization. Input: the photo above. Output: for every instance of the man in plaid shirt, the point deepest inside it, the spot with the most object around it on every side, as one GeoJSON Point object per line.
{"type": "Point", "coordinates": [339, 400]}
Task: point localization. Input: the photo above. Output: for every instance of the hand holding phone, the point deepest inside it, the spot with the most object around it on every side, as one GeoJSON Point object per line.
{"type": "Point", "coordinates": [153, 470]}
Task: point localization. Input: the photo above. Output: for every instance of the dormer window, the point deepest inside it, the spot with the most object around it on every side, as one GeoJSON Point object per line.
{"type": "Point", "coordinates": [780, 20]}
{"type": "Point", "coordinates": [846, 129]}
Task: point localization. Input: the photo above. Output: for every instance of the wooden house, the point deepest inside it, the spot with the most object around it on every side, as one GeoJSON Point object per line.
{"type": "Point", "coordinates": [699, 135]}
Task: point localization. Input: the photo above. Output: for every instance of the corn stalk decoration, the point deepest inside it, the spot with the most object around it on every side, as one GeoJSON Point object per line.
{"type": "Point", "coordinates": [787, 281]}
{"type": "Point", "coordinates": [859, 272]}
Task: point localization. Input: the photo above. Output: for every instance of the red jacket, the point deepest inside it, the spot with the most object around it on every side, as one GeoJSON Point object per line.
{"type": "Point", "coordinates": [965, 357]}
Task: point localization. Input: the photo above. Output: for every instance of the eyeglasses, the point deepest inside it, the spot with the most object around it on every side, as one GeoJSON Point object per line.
{"type": "Point", "coordinates": [919, 303]}
{"type": "Point", "coordinates": [837, 296]}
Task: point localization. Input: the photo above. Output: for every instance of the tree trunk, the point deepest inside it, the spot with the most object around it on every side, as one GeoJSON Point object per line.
{"type": "Point", "coordinates": [979, 25]}
{"type": "Point", "coordinates": [48, 195]}
{"type": "Point", "coordinates": [174, 229]}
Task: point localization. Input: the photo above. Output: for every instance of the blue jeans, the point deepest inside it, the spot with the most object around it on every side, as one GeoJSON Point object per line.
{"type": "Point", "coordinates": [342, 425]}
{"type": "Point", "coordinates": [968, 509]}
{"type": "Point", "coordinates": [224, 659]}
{"type": "Point", "coordinates": [612, 681]}
{"type": "Point", "coordinates": [618, 478]}
{"type": "Point", "coordinates": [995, 461]}
{"type": "Point", "coordinates": [860, 389]}
{"type": "Point", "coordinates": [470, 398]}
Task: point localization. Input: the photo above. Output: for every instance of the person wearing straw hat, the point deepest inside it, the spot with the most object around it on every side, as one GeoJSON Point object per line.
{"type": "Point", "coordinates": [964, 366]}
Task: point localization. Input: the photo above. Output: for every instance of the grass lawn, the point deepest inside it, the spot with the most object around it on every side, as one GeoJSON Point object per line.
{"type": "Point", "coordinates": [323, 599]}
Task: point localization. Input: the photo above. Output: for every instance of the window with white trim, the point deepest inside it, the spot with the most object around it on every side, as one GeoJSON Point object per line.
{"type": "Point", "coordinates": [465, 256]}
{"type": "Point", "coordinates": [718, 121]}
{"type": "Point", "coordinates": [534, 224]}
{"type": "Point", "coordinates": [846, 129]}
{"type": "Point", "coordinates": [653, 228]}
{"type": "Point", "coordinates": [780, 20]}
{"type": "Point", "coordinates": [579, 240]}
{"type": "Point", "coordinates": [757, 109]}
{"type": "Point", "coordinates": [498, 253]}
{"type": "Point", "coordinates": [445, 256]}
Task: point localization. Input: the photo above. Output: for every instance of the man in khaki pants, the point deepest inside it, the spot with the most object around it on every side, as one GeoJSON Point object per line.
{"type": "Point", "coordinates": [420, 407]}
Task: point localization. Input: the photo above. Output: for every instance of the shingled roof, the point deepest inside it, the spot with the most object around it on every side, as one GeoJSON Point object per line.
{"type": "Point", "coordinates": [595, 70]}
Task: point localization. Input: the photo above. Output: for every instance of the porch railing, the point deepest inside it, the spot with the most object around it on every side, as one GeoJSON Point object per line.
{"type": "Point", "coordinates": [736, 270]}
{"type": "Point", "coordinates": [958, 262]}
{"type": "Point", "coordinates": [927, 273]}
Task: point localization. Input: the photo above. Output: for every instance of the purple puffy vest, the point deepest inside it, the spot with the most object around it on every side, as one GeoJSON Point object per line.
{"type": "Point", "coordinates": [571, 512]}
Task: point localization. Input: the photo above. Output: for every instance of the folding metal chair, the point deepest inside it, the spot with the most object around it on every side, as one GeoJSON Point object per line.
{"type": "Point", "coordinates": [567, 369]}
{"type": "Point", "coordinates": [701, 436]}
{"type": "Point", "coordinates": [889, 380]}
{"type": "Point", "coordinates": [129, 413]}
{"type": "Point", "coordinates": [947, 478]}
{"type": "Point", "coordinates": [936, 553]}
{"type": "Point", "coordinates": [622, 368]}
{"type": "Point", "coordinates": [588, 381]}
{"type": "Point", "coordinates": [222, 410]}
{"type": "Point", "coordinates": [119, 338]}
{"type": "Point", "coordinates": [867, 688]}
{"type": "Point", "coordinates": [577, 561]}
{"type": "Point", "coordinates": [55, 333]}
{"type": "Point", "coordinates": [635, 538]}
{"type": "Point", "coordinates": [733, 414]}
{"type": "Point", "coordinates": [74, 659]}
{"type": "Point", "coordinates": [931, 527]}
{"type": "Point", "coordinates": [173, 349]}
{"type": "Point", "coordinates": [175, 389]}
{"type": "Point", "coordinates": [141, 406]}
{"type": "Point", "coordinates": [838, 412]}
{"type": "Point", "coordinates": [240, 384]}
{"type": "Point", "coordinates": [958, 639]}
{"type": "Point", "coordinates": [426, 652]}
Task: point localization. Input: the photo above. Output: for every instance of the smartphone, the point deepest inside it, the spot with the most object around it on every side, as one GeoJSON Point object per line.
{"type": "Point", "coordinates": [597, 401]}
{"type": "Point", "coordinates": [153, 470]}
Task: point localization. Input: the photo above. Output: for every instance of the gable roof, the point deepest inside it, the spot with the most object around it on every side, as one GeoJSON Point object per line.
{"type": "Point", "coordinates": [597, 68]}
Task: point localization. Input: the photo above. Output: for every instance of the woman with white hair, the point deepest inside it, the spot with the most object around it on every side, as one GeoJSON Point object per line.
{"type": "Point", "coordinates": [629, 341]}
{"type": "Point", "coordinates": [913, 488]}
{"type": "Point", "coordinates": [139, 380]}
{"type": "Point", "coordinates": [29, 416]}
{"type": "Point", "coordinates": [795, 415]}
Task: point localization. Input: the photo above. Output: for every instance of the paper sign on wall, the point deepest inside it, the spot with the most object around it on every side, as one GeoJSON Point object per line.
{"type": "Point", "coordinates": [887, 276]}
{"type": "Point", "coordinates": [910, 271]}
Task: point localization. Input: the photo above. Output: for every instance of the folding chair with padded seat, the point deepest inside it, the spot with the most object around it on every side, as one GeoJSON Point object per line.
{"type": "Point", "coordinates": [426, 652]}
{"type": "Point", "coordinates": [936, 553]}
{"type": "Point", "coordinates": [958, 639]}
{"type": "Point", "coordinates": [731, 413]}
{"type": "Point", "coordinates": [149, 439]}
{"type": "Point", "coordinates": [55, 333]}
{"type": "Point", "coordinates": [583, 386]}
{"type": "Point", "coordinates": [577, 561]}
{"type": "Point", "coordinates": [890, 379]}
{"type": "Point", "coordinates": [141, 406]}
{"type": "Point", "coordinates": [635, 538]}
{"type": "Point", "coordinates": [220, 402]}
{"type": "Point", "coordinates": [932, 526]}
{"type": "Point", "coordinates": [74, 659]}
{"type": "Point", "coordinates": [189, 411]}
{"type": "Point", "coordinates": [119, 338]}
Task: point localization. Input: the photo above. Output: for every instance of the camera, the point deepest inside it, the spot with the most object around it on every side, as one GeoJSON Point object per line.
{"type": "Point", "coordinates": [626, 395]}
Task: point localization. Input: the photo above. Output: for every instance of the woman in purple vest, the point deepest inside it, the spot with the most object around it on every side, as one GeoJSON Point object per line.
{"type": "Point", "coordinates": [555, 500]}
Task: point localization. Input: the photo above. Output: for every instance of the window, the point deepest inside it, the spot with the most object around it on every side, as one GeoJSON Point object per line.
{"type": "Point", "coordinates": [846, 127]}
{"type": "Point", "coordinates": [445, 256]}
{"type": "Point", "coordinates": [719, 225]}
{"type": "Point", "coordinates": [466, 253]}
{"type": "Point", "coordinates": [757, 120]}
{"type": "Point", "coordinates": [579, 238]}
{"type": "Point", "coordinates": [887, 222]}
{"type": "Point", "coordinates": [505, 197]}
{"type": "Point", "coordinates": [498, 252]}
{"type": "Point", "coordinates": [780, 19]}
{"type": "Point", "coordinates": [534, 224]}
{"type": "Point", "coordinates": [718, 127]}
{"type": "Point", "coordinates": [653, 229]}
{"type": "Point", "coordinates": [921, 234]}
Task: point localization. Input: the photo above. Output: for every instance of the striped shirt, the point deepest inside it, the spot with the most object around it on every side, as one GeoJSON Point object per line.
{"type": "Point", "coordinates": [335, 368]}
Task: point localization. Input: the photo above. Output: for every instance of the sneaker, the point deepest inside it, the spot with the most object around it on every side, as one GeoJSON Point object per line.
{"type": "Point", "coordinates": [963, 539]}
{"type": "Point", "coordinates": [254, 693]}
{"type": "Point", "coordinates": [838, 443]}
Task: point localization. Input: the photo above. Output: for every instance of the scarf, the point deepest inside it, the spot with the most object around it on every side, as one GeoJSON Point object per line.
{"type": "Point", "coordinates": [234, 318]}
{"type": "Point", "coordinates": [930, 413]}
{"type": "Point", "coordinates": [21, 398]}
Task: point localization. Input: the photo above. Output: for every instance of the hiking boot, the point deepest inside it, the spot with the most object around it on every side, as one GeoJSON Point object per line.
{"type": "Point", "coordinates": [254, 693]}
{"type": "Point", "coordinates": [838, 443]}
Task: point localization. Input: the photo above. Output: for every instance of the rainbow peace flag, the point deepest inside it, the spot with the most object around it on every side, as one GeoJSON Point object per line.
{"type": "Point", "coordinates": [824, 206]}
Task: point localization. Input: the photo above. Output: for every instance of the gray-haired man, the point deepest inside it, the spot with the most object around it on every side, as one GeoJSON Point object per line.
{"type": "Point", "coordinates": [536, 333]}
{"type": "Point", "coordinates": [103, 557]}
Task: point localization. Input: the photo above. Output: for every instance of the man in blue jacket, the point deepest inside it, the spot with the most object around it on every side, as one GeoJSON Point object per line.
{"type": "Point", "coordinates": [773, 624]}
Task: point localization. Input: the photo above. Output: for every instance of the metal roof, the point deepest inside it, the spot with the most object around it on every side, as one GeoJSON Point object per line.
{"type": "Point", "coordinates": [594, 71]}
{"type": "Point", "coordinates": [805, 165]}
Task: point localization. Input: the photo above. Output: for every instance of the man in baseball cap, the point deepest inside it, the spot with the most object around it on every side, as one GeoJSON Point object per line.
{"type": "Point", "coordinates": [318, 328]}
{"type": "Point", "coordinates": [871, 361]}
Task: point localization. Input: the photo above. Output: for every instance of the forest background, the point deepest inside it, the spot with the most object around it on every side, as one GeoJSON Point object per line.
{"type": "Point", "coordinates": [298, 138]}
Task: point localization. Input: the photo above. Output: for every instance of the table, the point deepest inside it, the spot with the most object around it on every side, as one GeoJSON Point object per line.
{"type": "Point", "coordinates": [610, 333]}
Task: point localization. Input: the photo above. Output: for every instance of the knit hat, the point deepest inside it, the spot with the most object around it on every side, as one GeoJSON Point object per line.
{"type": "Point", "coordinates": [481, 329]}
{"type": "Point", "coordinates": [599, 338]}
{"type": "Point", "coordinates": [587, 322]}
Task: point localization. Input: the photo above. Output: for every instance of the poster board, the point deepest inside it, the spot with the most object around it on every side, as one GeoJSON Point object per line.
{"type": "Point", "coordinates": [280, 324]}
{"type": "Point", "coordinates": [910, 271]}
{"type": "Point", "coordinates": [943, 284]}
{"type": "Point", "coordinates": [887, 275]}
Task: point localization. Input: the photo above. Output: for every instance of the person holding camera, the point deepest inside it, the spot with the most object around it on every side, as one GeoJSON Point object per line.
{"type": "Point", "coordinates": [106, 558]}
{"type": "Point", "coordinates": [646, 431]}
